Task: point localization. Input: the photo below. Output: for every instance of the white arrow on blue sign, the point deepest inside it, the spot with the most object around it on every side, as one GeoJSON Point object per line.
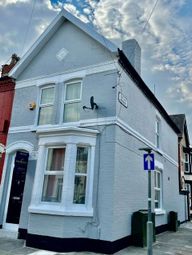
{"type": "Point", "coordinates": [149, 161]}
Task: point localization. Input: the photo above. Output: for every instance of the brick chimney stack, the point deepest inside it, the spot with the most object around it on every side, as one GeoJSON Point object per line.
{"type": "Point", "coordinates": [7, 68]}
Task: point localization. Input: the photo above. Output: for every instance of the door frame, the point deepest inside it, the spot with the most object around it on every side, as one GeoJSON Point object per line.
{"type": "Point", "coordinates": [6, 225]}
{"type": "Point", "coordinates": [11, 152]}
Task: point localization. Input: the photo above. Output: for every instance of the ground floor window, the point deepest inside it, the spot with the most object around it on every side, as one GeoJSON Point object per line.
{"type": "Point", "coordinates": [158, 189]}
{"type": "Point", "coordinates": [80, 179]}
{"type": "Point", "coordinates": [53, 178]}
{"type": "Point", "coordinates": [54, 174]}
{"type": "Point", "coordinates": [64, 173]}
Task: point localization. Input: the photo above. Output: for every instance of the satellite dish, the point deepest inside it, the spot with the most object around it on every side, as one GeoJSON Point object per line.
{"type": "Point", "coordinates": [92, 104]}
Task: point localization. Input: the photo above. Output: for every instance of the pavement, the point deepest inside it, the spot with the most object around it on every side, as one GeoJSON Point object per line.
{"type": "Point", "coordinates": [169, 243]}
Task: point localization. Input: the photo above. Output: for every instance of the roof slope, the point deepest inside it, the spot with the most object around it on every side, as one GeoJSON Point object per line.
{"type": "Point", "coordinates": [180, 121]}
{"type": "Point", "coordinates": [48, 33]}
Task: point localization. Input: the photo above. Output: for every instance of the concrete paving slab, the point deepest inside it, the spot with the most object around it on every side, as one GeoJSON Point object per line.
{"type": "Point", "coordinates": [7, 233]}
{"type": "Point", "coordinates": [167, 243]}
{"type": "Point", "coordinates": [9, 245]}
{"type": "Point", "coordinates": [22, 251]}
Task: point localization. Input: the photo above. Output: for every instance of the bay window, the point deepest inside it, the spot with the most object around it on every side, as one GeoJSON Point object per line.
{"type": "Point", "coordinates": [72, 101]}
{"type": "Point", "coordinates": [80, 175]}
{"type": "Point", "coordinates": [64, 176]}
{"type": "Point", "coordinates": [46, 105]}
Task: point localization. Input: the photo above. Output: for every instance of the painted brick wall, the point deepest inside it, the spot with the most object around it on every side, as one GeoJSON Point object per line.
{"type": "Point", "coordinates": [130, 185]}
{"type": "Point", "coordinates": [141, 115]}
{"type": "Point", "coordinates": [6, 100]}
{"type": "Point", "coordinates": [21, 115]}
{"type": "Point", "coordinates": [120, 183]}
{"type": "Point", "coordinates": [82, 51]}
{"type": "Point", "coordinates": [92, 86]}
{"type": "Point", "coordinates": [100, 225]}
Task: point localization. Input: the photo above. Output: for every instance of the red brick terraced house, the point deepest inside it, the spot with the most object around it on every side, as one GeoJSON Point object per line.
{"type": "Point", "coordinates": [7, 87]}
{"type": "Point", "coordinates": [184, 160]}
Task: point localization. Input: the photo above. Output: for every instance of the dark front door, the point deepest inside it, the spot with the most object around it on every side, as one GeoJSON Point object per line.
{"type": "Point", "coordinates": [17, 187]}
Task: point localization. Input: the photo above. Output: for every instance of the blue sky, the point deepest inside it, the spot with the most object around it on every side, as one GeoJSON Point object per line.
{"type": "Point", "coordinates": [165, 40]}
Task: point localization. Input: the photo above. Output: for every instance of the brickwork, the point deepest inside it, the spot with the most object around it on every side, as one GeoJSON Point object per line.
{"type": "Point", "coordinates": [6, 100]}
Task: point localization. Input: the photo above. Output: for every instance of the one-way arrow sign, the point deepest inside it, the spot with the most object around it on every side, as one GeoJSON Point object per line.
{"type": "Point", "coordinates": [149, 161]}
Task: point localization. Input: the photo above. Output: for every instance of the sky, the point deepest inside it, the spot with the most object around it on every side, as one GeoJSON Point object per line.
{"type": "Point", "coordinates": [161, 27]}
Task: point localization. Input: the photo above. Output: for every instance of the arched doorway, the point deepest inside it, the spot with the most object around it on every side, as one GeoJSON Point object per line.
{"type": "Point", "coordinates": [14, 182]}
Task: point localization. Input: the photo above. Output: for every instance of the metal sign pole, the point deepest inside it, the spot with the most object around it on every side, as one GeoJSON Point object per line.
{"type": "Point", "coordinates": [149, 222]}
{"type": "Point", "coordinates": [149, 164]}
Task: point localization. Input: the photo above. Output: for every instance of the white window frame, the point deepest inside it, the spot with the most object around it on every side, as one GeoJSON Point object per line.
{"type": "Point", "coordinates": [82, 174]}
{"type": "Point", "coordinates": [65, 102]}
{"type": "Point", "coordinates": [159, 168]}
{"type": "Point", "coordinates": [158, 132]}
{"type": "Point", "coordinates": [49, 173]}
{"type": "Point", "coordinates": [66, 207]}
{"type": "Point", "coordinates": [44, 105]}
{"type": "Point", "coordinates": [157, 173]}
{"type": "Point", "coordinates": [186, 161]}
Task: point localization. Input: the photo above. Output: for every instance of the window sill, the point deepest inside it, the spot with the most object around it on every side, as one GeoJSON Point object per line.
{"type": "Point", "coordinates": [64, 128]}
{"type": "Point", "coordinates": [48, 127]}
{"type": "Point", "coordinates": [159, 211]}
{"type": "Point", "coordinates": [60, 211]}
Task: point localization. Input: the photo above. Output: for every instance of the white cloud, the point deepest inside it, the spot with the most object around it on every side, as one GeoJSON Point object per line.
{"type": "Point", "coordinates": [8, 2]}
{"type": "Point", "coordinates": [73, 9]}
{"type": "Point", "coordinates": [165, 38]}
{"type": "Point", "coordinates": [17, 30]}
{"type": "Point", "coordinates": [42, 25]}
{"type": "Point", "coordinates": [53, 7]}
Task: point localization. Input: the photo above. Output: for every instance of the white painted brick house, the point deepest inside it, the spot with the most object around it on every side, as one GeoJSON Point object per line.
{"type": "Point", "coordinates": [84, 170]}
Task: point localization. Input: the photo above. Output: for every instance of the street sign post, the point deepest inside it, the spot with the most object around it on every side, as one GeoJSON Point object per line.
{"type": "Point", "coordinates": [149, 165]}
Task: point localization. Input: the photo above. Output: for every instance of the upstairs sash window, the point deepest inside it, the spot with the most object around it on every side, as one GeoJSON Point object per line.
{"type": "Point", "coordinates": [157, 133]}
{"type": "Point", "coordinates": [72, 101]}
{"type": "Point", "coordinates": [46, 106]}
